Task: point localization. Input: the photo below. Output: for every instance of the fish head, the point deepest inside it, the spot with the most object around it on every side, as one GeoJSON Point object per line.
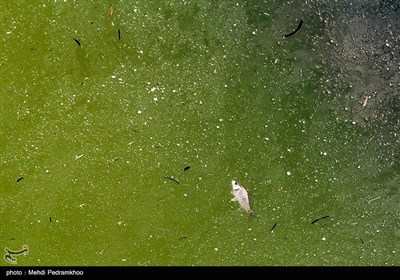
{"type": "Point", "coordinates": [235, 185]}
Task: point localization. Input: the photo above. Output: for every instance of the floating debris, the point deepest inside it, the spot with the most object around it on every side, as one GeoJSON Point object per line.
{"type": "Point", "coordinates": [373, 199]}
{"type": "Point", "coordinates": [78, 157]}
{"type": "Point", "coordinates": [272, 229]}
{"type": "Point", "coordinates": [316, 220]}
{"type": "Point", "coordinates": [182, 238]}
{"type": "Point", "coordinates": [176, 181]}
{"type": "Point", "coordinates": [365, 102]}
{"type": "Point", "coordinates": [50, 219]}
{"type": "Point", "coordinates": [19, 179]}
{"type": "Point", "coordinates": [110, 13]}
{"type": "Point", "coordinates": [295, 31]}
{"type": "Point", "coordinates": [119, 34]}
{"type": "Point", "coordinates": [79, 43]}
{"type": "Point", "coordinates": [362, 241]}
{"type": "Point", "coordinates": [186, 168]}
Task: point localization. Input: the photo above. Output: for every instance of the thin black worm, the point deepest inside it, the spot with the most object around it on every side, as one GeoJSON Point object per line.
{"type": "Point", "coordinates": [273, 227]}
{"type": "Point", "coordinates": [79, 44]}
{"type": "Point", "coordinates": [19, 179]}
{"type": "Point", "coordinates": [316, 220]}
{"type": "Point", "coordinates": [172, 179]}
{"type": "Point", "coordinates": [186, 168]}
{"type": "Point", "coordinates": [297, 29]}
{"type": "Point", "coordinates": [119, 34]}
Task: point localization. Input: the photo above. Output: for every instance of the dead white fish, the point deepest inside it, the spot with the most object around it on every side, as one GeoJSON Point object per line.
{"type": "Point", "coordinates": [241, 196]}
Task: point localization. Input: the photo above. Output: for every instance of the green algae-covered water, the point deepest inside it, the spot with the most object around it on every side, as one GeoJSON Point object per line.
{"type": "Point", "coordinates": [123, 124]}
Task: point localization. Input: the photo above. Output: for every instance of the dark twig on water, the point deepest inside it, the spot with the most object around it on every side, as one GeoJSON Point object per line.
{"type": "Point", "coordinates": [295, 31]}
{"type": "Point", "coordinates": [79, 44]}
{"type": "Point", "coordinates": [176, 181]}
{"type": "Point", "coordinates": [316, 220]}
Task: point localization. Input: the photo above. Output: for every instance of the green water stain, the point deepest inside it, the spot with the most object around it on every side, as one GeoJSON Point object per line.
{"type": "Point", "coordinates": [95, 129]}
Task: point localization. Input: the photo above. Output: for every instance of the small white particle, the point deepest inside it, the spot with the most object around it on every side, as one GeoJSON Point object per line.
{"type": "Point", "coordinates": [139, 112]}
{"type": "Point", "coordinates": [288, 173]}
{"type": "Point", "coordinates": [215, 249]}
{"type": "Point", "coordinates": [323, 238]}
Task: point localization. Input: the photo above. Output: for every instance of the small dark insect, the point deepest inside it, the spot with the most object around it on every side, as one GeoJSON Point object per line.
{"type": "Point", "coordinates": [119, 34]}
{"type": "Point", "coordinates": [295, 31]}
{"type": "Point", "coordinates": [273, 227]}
{"type": "Point", "coordinates": [186, 168]}
{"type": "Point", "coordinates": [182, 238]}
{"type": "Point", "coordinates": [79, 44]}
{"type": "Point", "coordinates": [50, 219]}
{"type": "Point", "coordinates": [172, 179]}
{"type": "Point", "coordinates": [19, 179]}
{"type": "Point", "coordinates": [32, 49]}
{"type": "Point", "coordinates": [316, 220]}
